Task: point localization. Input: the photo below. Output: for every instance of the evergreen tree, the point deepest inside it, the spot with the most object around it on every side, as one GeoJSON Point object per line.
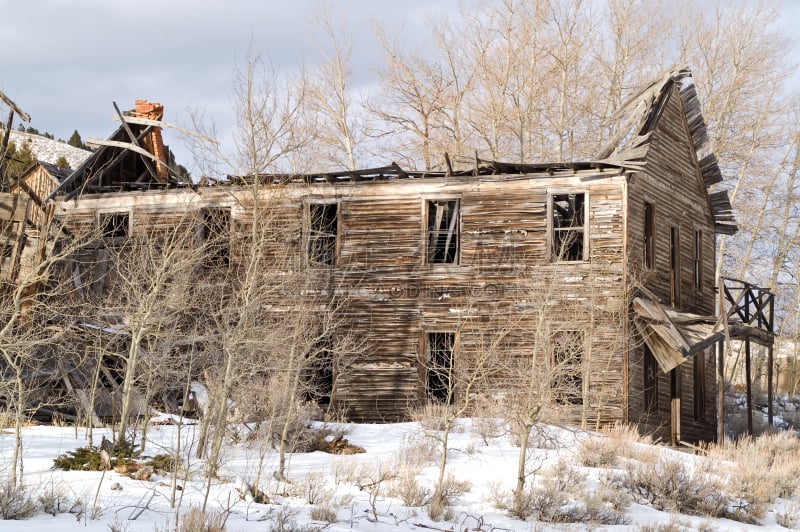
{"type": "Point", "coordinates": [62, 162]}
{"type": "Point", "coordinates": [76, 140]}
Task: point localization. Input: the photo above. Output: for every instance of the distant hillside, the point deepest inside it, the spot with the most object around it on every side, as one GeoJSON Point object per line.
{"type": "Point", "coordinates": [49, 150]}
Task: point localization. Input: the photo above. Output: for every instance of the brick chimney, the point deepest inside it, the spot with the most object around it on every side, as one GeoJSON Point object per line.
{"type": "Point", "coordinates": [154, 143]}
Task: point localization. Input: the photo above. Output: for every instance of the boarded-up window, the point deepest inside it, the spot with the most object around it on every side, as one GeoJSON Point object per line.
{"type": "Point", "coordinates": [114, 224]}
{"type": "Point", "coordinates": [675, 266]}
{"type": "Point", "coordinates": [323, 222]}
{"type": "Point", "coordinates": [699, 375]}
{"type": "Point", "coordinates": [442, 231]}
{"type": "Point", "coordinates": [567, 367]}
{"type": "Point", "coordinates": [649, 235]}
{"type": "Point", "coordinates": [568, 213]}
{"type": "Point", "coordinates": [216, 230]}
{"type": "Point", "coordinates": [650, 381]}
{"type": "Point", "coordinates": [698, 260]}
{"type": "Point", "coordinates": [439, 364]}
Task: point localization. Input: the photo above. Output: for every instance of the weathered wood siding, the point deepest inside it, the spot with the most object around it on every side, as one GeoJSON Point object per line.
{"type": "Point", "coordinates": [672, 183]}
{"type": "Point", "coordinates": [503, 279]}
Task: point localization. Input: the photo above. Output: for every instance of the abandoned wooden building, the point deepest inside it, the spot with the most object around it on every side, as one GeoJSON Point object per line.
{"type": "Point", "coordinates": [601, 271]}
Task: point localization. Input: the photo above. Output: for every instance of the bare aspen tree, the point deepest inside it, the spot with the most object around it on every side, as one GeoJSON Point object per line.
{"type": "Point", "coordinates": [150, 274]}
{"type": "Point", "coordinates": [29, 303]}
{"type": "Point", "coordinates": [339, 128]}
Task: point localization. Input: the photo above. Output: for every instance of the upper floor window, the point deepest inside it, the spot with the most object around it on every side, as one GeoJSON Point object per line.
{"type": "Point", "coordinates": [216, 231]}
{"type": "Point", "coordinates": [442, 238]}
{"type": "Point", "coordinates": [698, 260]}
{"type": "Point", "coordinates": [322, 224]}
{"type": "Point", "coordinates": [675, 265]}
{"type": "Point", "coordinates": [568, 218]}
{"type": "Point", "coordinates": [649, 235]}
{"type": "Point", "coordinates": [114, 224]}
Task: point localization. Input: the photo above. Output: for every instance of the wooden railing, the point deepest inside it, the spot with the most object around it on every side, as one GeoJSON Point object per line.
{"type": "Point", "coordinates": [750, 304]}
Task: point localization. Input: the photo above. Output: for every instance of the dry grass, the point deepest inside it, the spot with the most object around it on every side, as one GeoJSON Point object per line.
{"type": "Point", "coordinates": [194, 520]}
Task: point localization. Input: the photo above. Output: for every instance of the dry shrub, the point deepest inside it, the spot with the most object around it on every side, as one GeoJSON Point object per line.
{"type": "Point", "coordinates": [488, 420]}
{"type": "Point", "coordinates": [431, 416]}
{"type": "Point", "coordinates": [195, 520]}
{"type": "Point", "coordinates": [16, 502]}
{"type": "Point", "coordinates": [765, 468]}
{"type": "Point", "coordinates": [344, 471]}
{"type": "Point", "coordinates": [670, 485]}
{"type": "Point", "coordinates": [418, 450]}
{"type": "Point", "coordinates": [314, 488]}
{"type": "Point", "coordinates": [789, 518]}
{"type": "Point", "coordinates": [598, 451]}
{"type": "Point", "coordinates": [548, 499]}
{"type": "Point", "coordinates": [324, 514]}
{"type": "Point", "coordinates": [407, 488]}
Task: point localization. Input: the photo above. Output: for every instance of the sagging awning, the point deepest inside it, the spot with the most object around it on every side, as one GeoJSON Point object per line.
{"type": "Point", "coordinates": [673, 336]}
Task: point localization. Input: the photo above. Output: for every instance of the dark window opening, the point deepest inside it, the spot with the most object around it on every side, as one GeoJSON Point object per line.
{"type": "Point", "coordinates": [698, 260]}
{"type": "Point", "coordinates": [567, 360]}
{"type": "Point", "coordinates": [569, 217]}
{"type": "Point", "coordinates": [216, 231]}
{"type": "Point", "coordinates": [318, 372]}
{"type": "Point", "coordinates": [443, 232]}
{"type": "Point", "coordinates": [114, 224]}
{"type": "Point", "coordinates": [675, 266]}
{"type": "Point", "coordinates": [323, 222]}
{"type": "Point", "coordinates": [650, 381]}
{"type": "Point", "coordinates": [439, 360]}
{"type": "Point", "coordinates": [649, 235]}
{"type": "Point", "coordinates": [699, 386]}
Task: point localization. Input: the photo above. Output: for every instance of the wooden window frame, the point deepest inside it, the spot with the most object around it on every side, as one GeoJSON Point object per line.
{"type": "Point", "coordinates": [310, 239]}
{"type": "Point", "coordinates": [432, 233]}
{"type": "Point", "coordinates": [567, 380]}
{"type": "Point", "coordinates": [649, 251]}
{"type": "Point", "coordinates": [553, 228]}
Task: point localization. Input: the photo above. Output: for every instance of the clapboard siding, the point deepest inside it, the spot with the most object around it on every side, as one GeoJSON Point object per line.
{"type": "Point", "coordinates": [671, 183]}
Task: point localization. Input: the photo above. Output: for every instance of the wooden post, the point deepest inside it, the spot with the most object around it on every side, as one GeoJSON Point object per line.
{"type": "Point", "coordinates": [675, 405]}
{"type": "Point", "coordinates": [749, 384]}
{"type": "Point", "coordinates": [770, 361]}
{"type": "Point", "coordinates": [720, 391]}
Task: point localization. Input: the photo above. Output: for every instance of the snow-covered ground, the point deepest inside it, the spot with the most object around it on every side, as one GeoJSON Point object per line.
{"type": "Point", "coordinates": [342, 484]}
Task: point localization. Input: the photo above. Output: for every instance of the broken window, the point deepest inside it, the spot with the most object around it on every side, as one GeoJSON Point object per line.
{"type": "Point", "coordinates": [568, 230]}
{"type": "Point", "coordinates": [698, 260]}
{"type": "Point", "coordinates": [322, 231]}
{"type": "Point", "coordinates": [8, 239]}
{"type": "Point", "coordinates": [699, 373]}
{"type": "Point", "coordinates": [649, 235]}
{"type": "Point", "coordinates": [442, 231]}
{"type": "Point", "coordinates": [439, 363]}
{"type": "Point", "coordinates": [567, 363]}
{"type": "Point", "coordinates": [650, 384]}
{"type": "Point", "coordinates": [675, 266]}
{"type": "Point", "coordinates": [216, 230]}
{"type": "Point", "coordinates": [114, 224]}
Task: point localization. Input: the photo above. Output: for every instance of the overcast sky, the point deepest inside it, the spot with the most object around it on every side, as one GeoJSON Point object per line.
{"type": "Point", "coordinates": [65, 61]}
